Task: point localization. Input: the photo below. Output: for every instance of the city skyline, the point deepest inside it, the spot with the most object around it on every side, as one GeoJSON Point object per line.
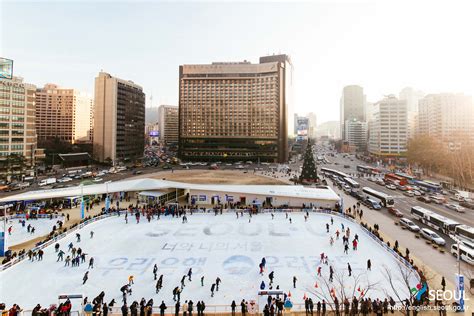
{"type": "Point", "coordinates": [331, 45]}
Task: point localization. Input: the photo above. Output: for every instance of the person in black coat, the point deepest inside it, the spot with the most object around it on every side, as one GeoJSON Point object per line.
{"type": "Point", "coordinates": [124, 309]}
{"type": "Point", "coordinates": [232, 306]}
{"type": "Point", "coordinates": [176, 308]}
{"type": "Point", "coordinates": [163, 308]}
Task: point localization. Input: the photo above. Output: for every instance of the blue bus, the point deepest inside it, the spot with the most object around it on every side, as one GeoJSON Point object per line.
{"type": "Point", "coordinates": [428, 186]}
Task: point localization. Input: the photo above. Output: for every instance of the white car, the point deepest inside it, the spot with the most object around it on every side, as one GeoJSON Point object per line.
{"type": "Point", "coordinates": [417, 193]}
{"type": "Point", "coordinates": [98, 179]}
{"type": "Point", "coordinates": [455, 207]}
{"type": "Point", "coordinates": [239, 167]}
{"type": "Point", "coordinates": [391, 187]}
{"type": "Point", "coordinates": [409, 193]}
{"type": "Point", "coordinates": [409, 224]}
{"type": "Point", "coordinates": [100, 174]}
{"type": "Point", "coordinates": [65, 179]}
{"type": "Point", "coordinates": [432, 236]}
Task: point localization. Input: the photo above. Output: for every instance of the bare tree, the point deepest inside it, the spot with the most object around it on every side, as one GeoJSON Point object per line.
{"type": "Point", "coordinates": [401, 283]}
{"type": "Point", "coordinates": [343, 286]}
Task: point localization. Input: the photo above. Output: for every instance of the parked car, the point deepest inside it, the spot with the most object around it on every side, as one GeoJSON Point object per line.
{"type": "Point", "coordinates": [409, 224]}
{"type": "Point", "coordinates": [373, 204]}
{"type": "Point", "coordinates": [391, 186]}
{"type": "Point", "coordinates": [98, 179]}
{"type": "Point", "coordinates": [409, 193]}
{"type": "Point", "coordinates": [417, 193]}
{"type": "Point", "coordinates": [469, 205]}
{"type": "Point", "coordinates": [432, 236]}
{"type": "Point", "coordinates": [437, 199]}
{"type": "Point", "coordinates": [457, 198]}
{"type": "Point", "coordinates": [402, 188]}
{"type": "Point", "coordinates": [455, 207]}
{"type": "Point", "coordinates": [395, 212]}
{"type": "Point", "coordinates": [423, 199]}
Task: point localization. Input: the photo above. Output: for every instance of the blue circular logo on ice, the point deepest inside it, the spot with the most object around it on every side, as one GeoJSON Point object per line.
{"type": "Point", "coordinates": [238, 265]}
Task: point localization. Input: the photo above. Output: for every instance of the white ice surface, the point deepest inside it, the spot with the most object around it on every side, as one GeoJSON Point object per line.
{"type": "Point", "coordinates": [213, 246]}
{"type": "Point", "coordinates": [19, 234]}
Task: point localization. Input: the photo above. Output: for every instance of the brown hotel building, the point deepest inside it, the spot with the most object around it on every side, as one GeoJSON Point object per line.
{"type": "Point", "coordinates": [235, 111]}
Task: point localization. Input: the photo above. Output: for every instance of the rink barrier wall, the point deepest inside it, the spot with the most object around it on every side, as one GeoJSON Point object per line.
{"type": "Point", "coordinates": [375, 238]}
{"type": "Point", "coordinates": [216, 309]}
{"type": "Point", "coordinates": [54, 239]}
{"type": "Point", "coordinates": [323, 211]}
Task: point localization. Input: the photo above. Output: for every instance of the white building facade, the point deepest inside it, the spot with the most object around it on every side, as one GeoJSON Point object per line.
{"type": "Point", "coordinates": [388, 131]}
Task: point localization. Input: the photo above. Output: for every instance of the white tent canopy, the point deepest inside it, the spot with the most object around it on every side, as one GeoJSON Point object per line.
{"type": "Point", "coordinates": [151, 193]}
{"type": "Point", "coordinates": [147, 184]}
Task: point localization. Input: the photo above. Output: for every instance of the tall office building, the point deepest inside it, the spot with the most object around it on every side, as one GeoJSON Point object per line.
{"type": "Point", "coordinates": [330, 129]}
{"type": "Point", "coordinates": [356, 134]}
{"type": "Point", "coordinates": [312, 125]}
{"type": "Point", "coordinates": [352, 106]}
{"type": "Point", "coordinates": [388, 131]}
{"type": "Point", "coordinates": [17, 122]}
{"type": "Point", "coordinates": [446, 116]}
{"type": "Point", "coordinates": [412, 97]}
{"type": "Point", "coordinates": [168, 123]}
{"type": "Point", "coordinates": [236, 111]}
{"type": "Point", "coordinates": [64, 114]}
{"type": "Point", "coordinates": [119, 119]}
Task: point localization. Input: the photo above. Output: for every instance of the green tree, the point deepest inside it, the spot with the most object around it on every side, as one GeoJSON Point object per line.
{"type": "Point", "coordinates": [309, 172]}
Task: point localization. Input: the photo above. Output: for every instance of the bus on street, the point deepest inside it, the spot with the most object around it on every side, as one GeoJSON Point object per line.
{"type": "Point", "coordinates": [395, 179]}
{"type": "Point", "coordinates": [434, 220]}
{"type": "Point", "coordinates": [464, 233]}
{"type": "Point", "coordinates": [385, 199]}
{"type": "Point", "coordinates": [352, 183]}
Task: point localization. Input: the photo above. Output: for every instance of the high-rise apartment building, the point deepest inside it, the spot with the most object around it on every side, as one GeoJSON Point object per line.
{"type": "Point", "coordinates": [446, 116]}
{"type": "Point", "coordinates": [356, 134]}
{"type": "Point", "coordinates": [412, 97]}
{"type": "Point", "coordinates": [119, 119]}
{"type": "Point", "coordinates": [352, 106]}
{"type": "Point", "coordinates": [64, 114]}
{"type": "Point", "coordinates": [388, 130]}
{"type": "Point", "coordinates": [236, 111]}
{"type": "Point", "coordinates": [168, 123]}
{"type": "Point", "coordinates": [17, 122]}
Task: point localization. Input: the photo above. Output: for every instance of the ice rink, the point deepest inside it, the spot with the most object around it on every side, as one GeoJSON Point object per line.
{"type": "Point", "coordinates": [43, 226]}
{"type": "Point", "coordinates": [213, 246]}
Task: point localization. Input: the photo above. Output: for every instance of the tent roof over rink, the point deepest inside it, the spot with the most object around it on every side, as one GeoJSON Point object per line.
{"type": "Point", "coordinates": [147, 184]}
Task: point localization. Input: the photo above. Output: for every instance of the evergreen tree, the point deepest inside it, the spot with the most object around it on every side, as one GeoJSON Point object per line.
{"type": "Point", "coordinates": [309, 171]}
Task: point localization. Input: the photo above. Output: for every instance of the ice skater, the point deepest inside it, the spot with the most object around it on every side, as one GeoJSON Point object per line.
{"type": "Point", "coordinates": [369, 265]}
{"type": "Point", "coordinates": [202, 280]}
{"type": "Point", "coordinates": [294, 281]}
{"type": "Point", "coordinates": [92, 234]}
{"type": "Point", "coordinates": [78, 237]}
{"type": "Point", "coordinates": [182, 281]}
{"type": "Point", "coordinates": [327, 228]}
{"type": "Point", "coordinates": [218, 281]}
{"type": "Point", "coordinates": [190, 273]}
{"type": "Point", "coordinates": [213, 286]}
{"type": "Point", "coordinates": [155, 270]}
{"type": "Point", "coordinates": [349, 269]}
{"type": "Point", "coordinates": [85, 277]}
{"type": "Point", "coordinates": [271, 276]}
{"type": "Point", "coordinates": [91, 263]}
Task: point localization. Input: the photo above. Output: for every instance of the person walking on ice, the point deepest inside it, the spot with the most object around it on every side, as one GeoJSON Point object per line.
{"type": "Point", "coordinates": [190, 273]}
{"type": "Point", "coordinates": [294, 282]}
{"type": "Point", "coordinates": [202, 280]}
{"type": "Point", "coordinates": [130, 280]}
{"type": "Point", "coordinates": [369, 265]}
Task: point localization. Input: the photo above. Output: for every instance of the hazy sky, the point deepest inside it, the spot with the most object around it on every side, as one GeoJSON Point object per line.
{"type": "Point", "coordinates": [382, 46]}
